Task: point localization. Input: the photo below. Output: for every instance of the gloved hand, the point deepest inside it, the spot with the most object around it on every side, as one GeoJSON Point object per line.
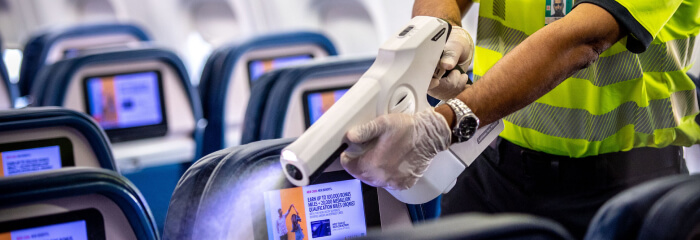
{"type": "Point", "coordinates": [459, 50]}
{"type": "Point", "coordinates": [394, 150]}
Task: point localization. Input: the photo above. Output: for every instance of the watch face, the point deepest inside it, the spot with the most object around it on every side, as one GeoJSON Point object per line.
{"type": "Point", "coordinates": [467, 127]}
{"type": "Point", "coordinates": [471, 125]}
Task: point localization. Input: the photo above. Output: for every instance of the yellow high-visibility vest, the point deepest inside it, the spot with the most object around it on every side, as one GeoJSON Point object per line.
{"type": "Point", "coordinates": [637, 93]}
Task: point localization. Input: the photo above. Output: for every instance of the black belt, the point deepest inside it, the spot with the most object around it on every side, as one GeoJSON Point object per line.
{"type": "Point", "coordinates": [549, 172]}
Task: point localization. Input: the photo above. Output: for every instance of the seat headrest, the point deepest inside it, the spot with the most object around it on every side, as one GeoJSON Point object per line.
{"type": "Point", "coordinates": [621, 217]}
{"type": "Point", "coordinates": [212, 192]}
{"type": "Point", "coordinates": [77, 181]}
{"type": "Point", "coordinates": [36, 50]}
{"type": "Point", "coordinates": [219, 68]}
{"type": "Point", "coordinates": [277, 87]}
{"type": "Point", "coordinates": [41, 117]}
{"type": "Point", "coordinates": [53, 80]}
{"type": "Point", "coordinates": [680, 206]}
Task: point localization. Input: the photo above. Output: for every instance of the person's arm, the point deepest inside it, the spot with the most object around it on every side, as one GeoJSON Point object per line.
{"type": "Point", "coordinates": [540, 63]}
{"type": "Point", "coordinates": [289, 209]}
{"type": "Point", "coordinates": [452, 11]}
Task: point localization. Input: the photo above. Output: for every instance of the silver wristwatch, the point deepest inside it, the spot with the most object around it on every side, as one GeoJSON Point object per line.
{"type": "Point", "coordinates": [466, 122]}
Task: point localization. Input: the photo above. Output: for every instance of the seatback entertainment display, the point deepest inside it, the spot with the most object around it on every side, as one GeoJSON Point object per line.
{"type": "Point", "coordinates": [71, 230]}
{"type": "Point", "coordinates": [35, 156]}
{"type": "Point", "coordinates": [317, 102]}
{"type": "Point", "coordinates": [257, 68]}
{"type": "Point", "coordinates": [128, 106]}
{"type": "Point", "coordinates": [86, 224]}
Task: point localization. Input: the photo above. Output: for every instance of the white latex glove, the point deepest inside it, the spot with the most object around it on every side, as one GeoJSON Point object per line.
{"type": "Point", "coordinates": [459, 50]}
{"type": "Point", "coordinates": [394, 150]}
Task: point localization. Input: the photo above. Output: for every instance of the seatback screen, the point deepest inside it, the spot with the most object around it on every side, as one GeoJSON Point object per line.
{"type": "Point", "coordinates": [35, 156]}
{"type": "Point", "coordinates": [127, 101]}
{"type": "Point", "coordinates": [76, 225]}
{"type": "Point", "coordinates": [257, 68]}
{"type": "Point", "coordinates": [71, 230]}
{"type": "Point", "coordinates": [317, 102]}
{"type": "Point", "coordinates": [333, 210]}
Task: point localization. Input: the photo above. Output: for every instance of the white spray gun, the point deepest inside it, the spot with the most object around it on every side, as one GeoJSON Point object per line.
{"type": "Point", "coordinates": [397, 82]}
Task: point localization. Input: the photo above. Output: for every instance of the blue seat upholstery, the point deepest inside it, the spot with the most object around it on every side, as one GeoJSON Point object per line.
{"type": "Point", "coordinates": [265, 116]}
{"type": "Point", "coordinates": [40, 118]}
{"type": "Point", "coordinates": [36, 50]}
{"type": "Point", "coordinates": [255, 110]}
{"type": "Point", "coordinates": [622, 216]}
{"type": "Point", "coordinates": [476, 226]}
{"type": "Point", "coordinates": [8, 91]}
{"type": "Point", "coordinates": [185, 125]}
{"type": "Point", "coordinates": [70, 189]}
{"type": "Point", "coordinates": [676, 215]}
{"type": "Point", "coordinates": [219, 71]}
{"type": "Point", "coordinates": [209, 193]}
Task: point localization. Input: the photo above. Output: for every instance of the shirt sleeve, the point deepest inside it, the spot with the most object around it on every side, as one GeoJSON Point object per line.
{"type": "Point", "coordinates": [643, 19]}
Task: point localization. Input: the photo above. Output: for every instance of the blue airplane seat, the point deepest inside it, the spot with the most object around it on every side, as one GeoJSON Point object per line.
{"type": "Point", "coordinates": [230, 71]}
{"type": "Point", "coordinates": [622, 216]}
{"type": "Point", "coordinates": [50, 46]}
{"type": "Point", "coordinates": [152, 155]}
{"type": "Point", "coordinates": [91, 201]}
{"type": "Point", "coordinates": [78, 138]}
{"type": "Point", "coordinates": [475, 226]}
{"type": "Point", "coordinates": [221, 195]}
{"type": "Point", "coordinates": [8, 91]}
{"type": "Point", "coordinates": [676, 215]}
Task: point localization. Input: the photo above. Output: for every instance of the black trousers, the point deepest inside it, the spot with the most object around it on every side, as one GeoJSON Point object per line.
{"type": "Point", "coordinates": [566, 190]}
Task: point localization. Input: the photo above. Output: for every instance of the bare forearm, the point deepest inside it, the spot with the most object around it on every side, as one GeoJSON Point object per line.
{"type": "Point", "coordinates": [452, 11]}
{"type": "Point", "coordinates": [540, 63]}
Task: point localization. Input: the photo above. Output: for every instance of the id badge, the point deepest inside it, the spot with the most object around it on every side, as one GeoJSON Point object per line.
{"type": "Point", "coordinates": [557, 9]}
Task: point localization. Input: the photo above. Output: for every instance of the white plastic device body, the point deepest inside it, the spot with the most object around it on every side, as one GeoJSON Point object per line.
{"type": "Point", "coordinates": [397, 82]}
